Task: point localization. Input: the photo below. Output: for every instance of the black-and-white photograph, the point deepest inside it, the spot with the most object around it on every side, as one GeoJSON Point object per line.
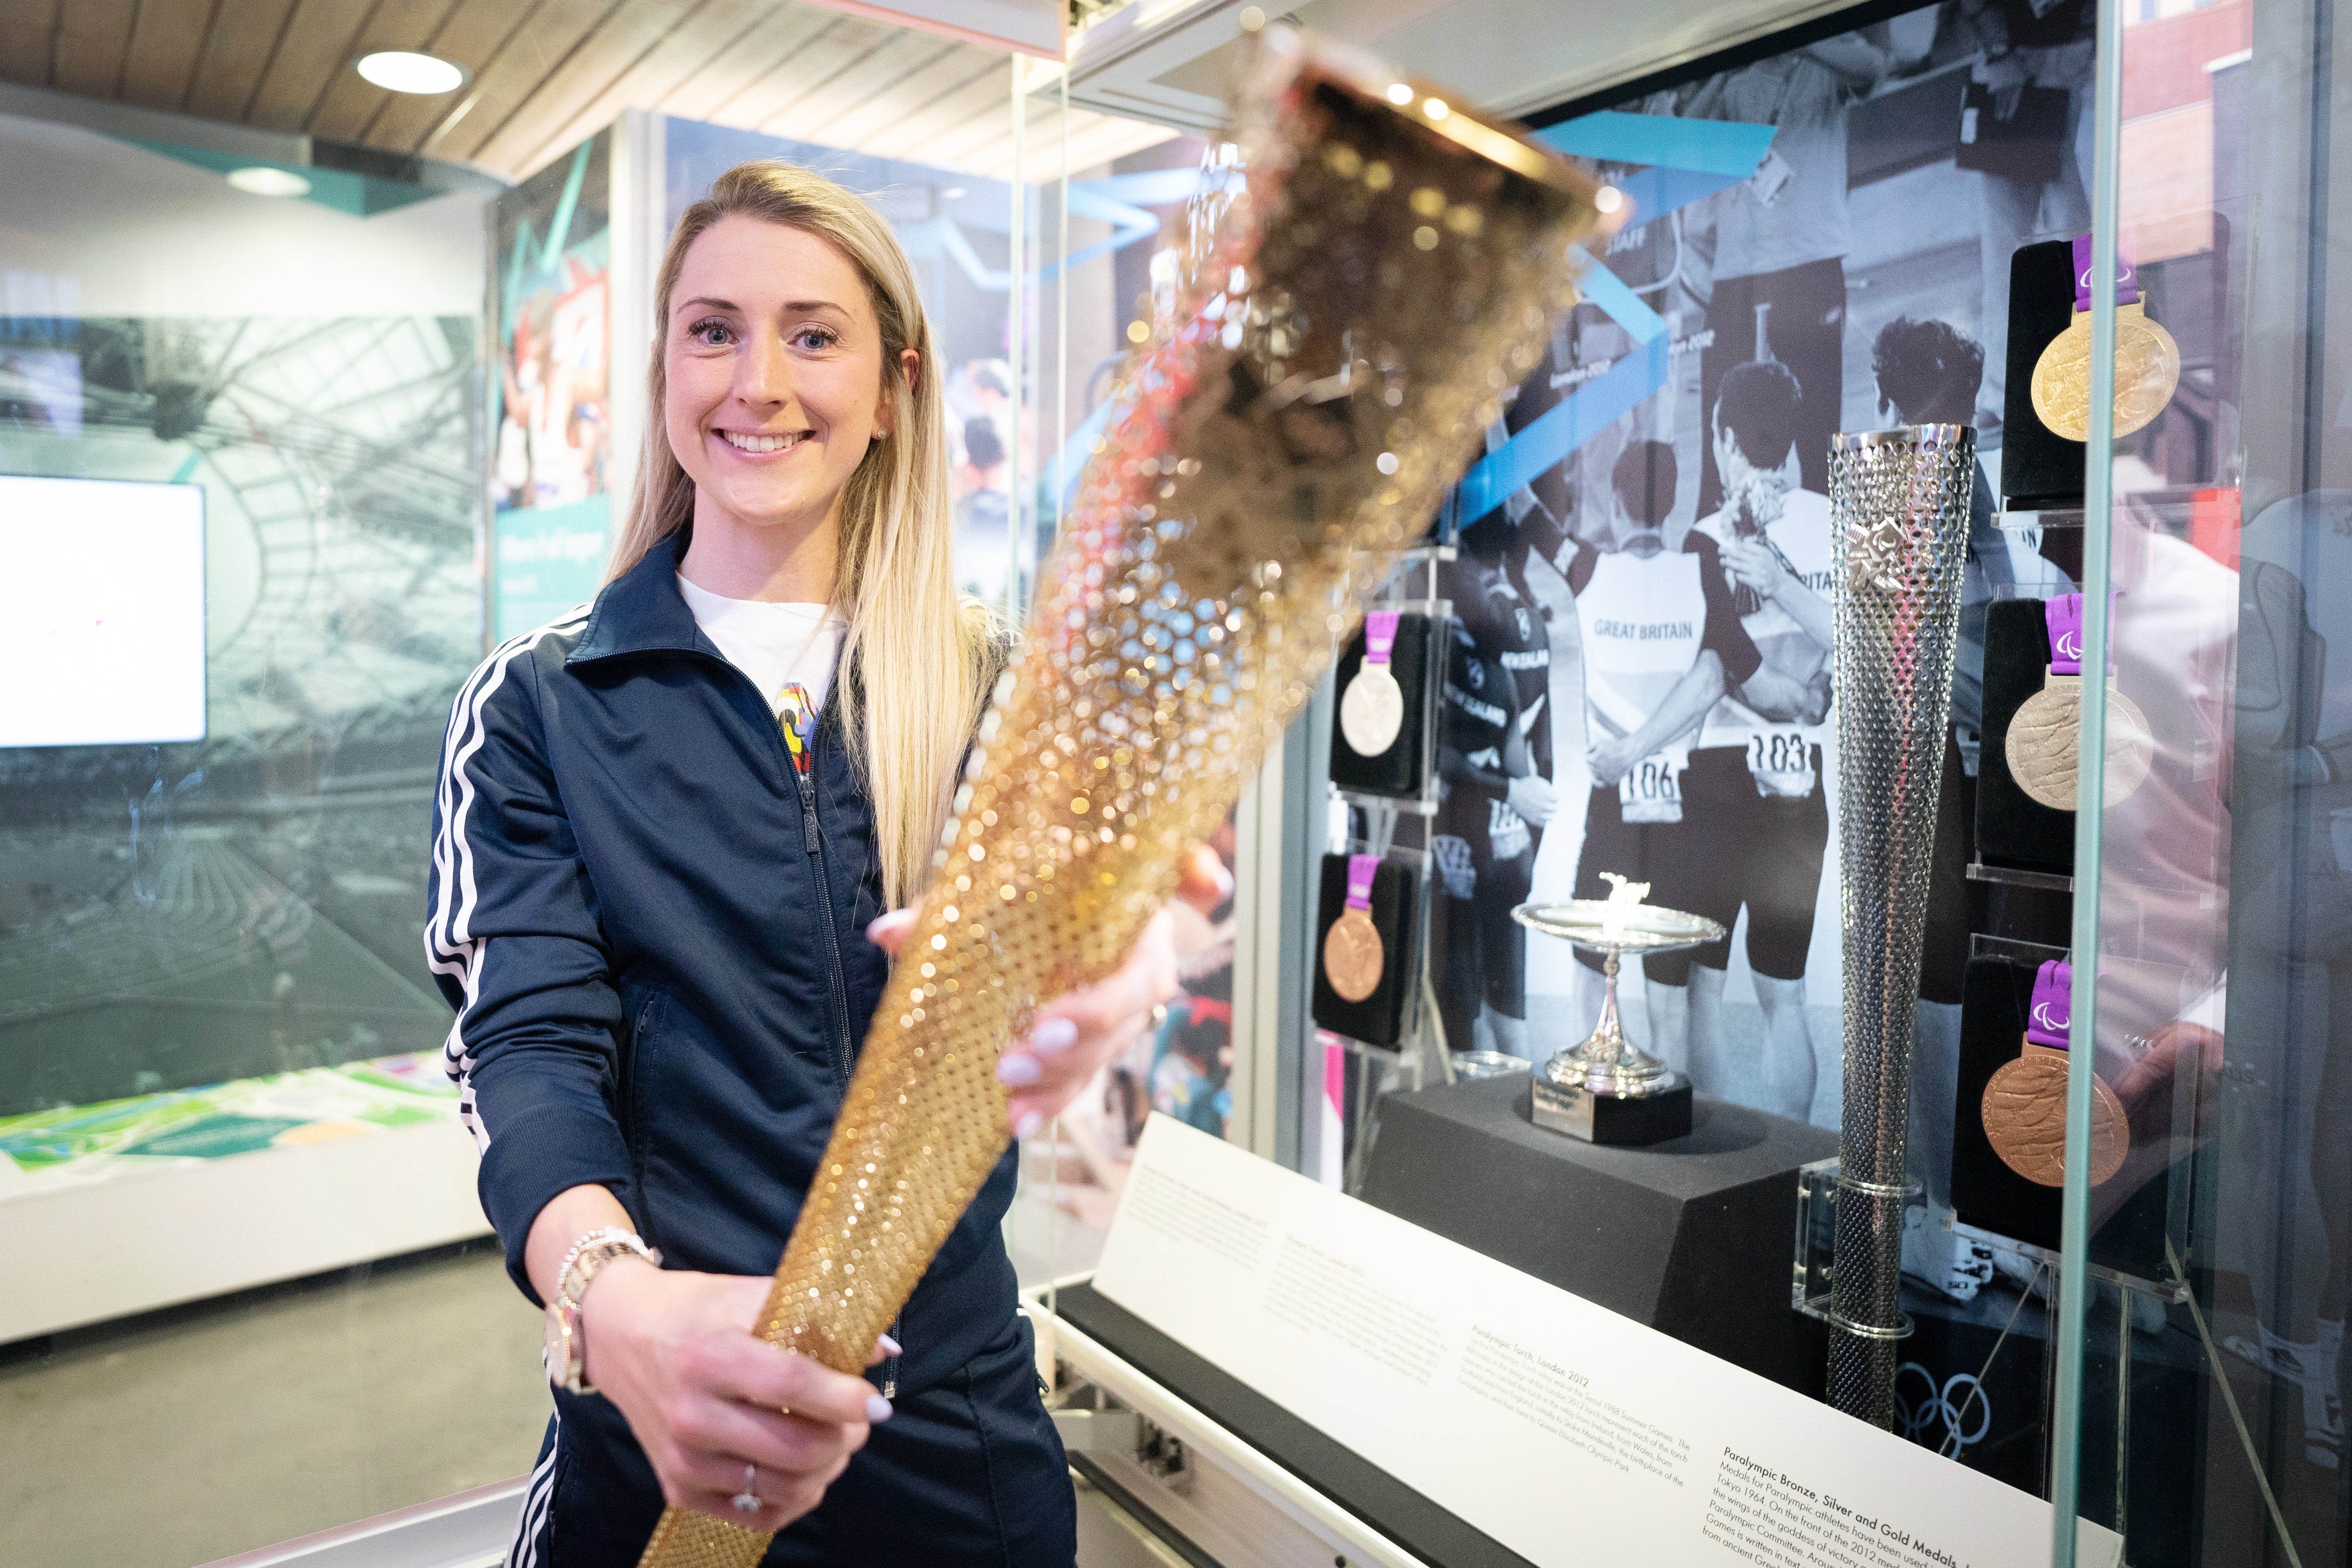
{"type": "Point", "coordinates": [1640, 680]}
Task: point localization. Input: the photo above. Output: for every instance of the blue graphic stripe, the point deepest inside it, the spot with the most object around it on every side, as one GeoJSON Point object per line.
{"type": "Point", "coordinates": [534, 258]}
{"type": "Point", "coordinates": [1567, 425]}
{"type": "Point", "coordinates": [1728, 147]}
{"type": "Point", "coordinates": [1654, 192]}
{"type": "Point", "coordinates": [1690, 158]}
{"type": "Point", "coordinates": [1606, 289]}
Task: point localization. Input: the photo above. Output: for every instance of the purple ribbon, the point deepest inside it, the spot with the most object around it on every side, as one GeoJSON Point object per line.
{"type": "Point", "coordinates": [2053, 1006]}
{"type": "Point", "coordinates": [2064, 613]}
{"type": "Point", "coordinates": [1379, 636]}
{"type": "Point", "coordinates": [2126, 275]}
{"type": "Point", "coordinates": [1359, 881]}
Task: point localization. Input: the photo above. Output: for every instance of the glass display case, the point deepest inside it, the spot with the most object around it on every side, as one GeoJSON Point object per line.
{"type": "Point", "coordinates": [2206, 1422]}
{"type": "Point", "coordinates": [2124, 1273]}
{"type": "Point", "coordinates": [257, 418]}
{"type": "Point", "coordinates": [1097, 265]}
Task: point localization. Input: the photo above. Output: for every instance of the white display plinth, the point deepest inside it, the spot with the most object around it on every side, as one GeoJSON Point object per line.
{"type": "Point", "coordinates": [107, 1212]}
{"type": "Point", "coordinates": [1571, 1435]}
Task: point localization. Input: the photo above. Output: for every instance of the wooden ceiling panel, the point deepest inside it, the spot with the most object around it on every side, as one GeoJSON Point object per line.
{"type": "Point", "coordinates": [315, 47]}
{"type": "Point", "coordinates": [86, 46]}
{"type": "Point", "coordinates": [721, 29]}
{"type": "Point", "coordinates": [634, 29]}
{"type": "Point", "coordinates": [546, 73]}
{"type": "Point", "coordinates": [811, 114]}
{"type": "Point", "coordinates": [1095, 139]}
{"type": "Point", "coordinates": [26, 27]}
{"type": "Point", "coordinates": [472, 35]}
{"type": "Point", "coordinates": [711, 91]}
{"type": "Point", "coordinates": [351, 100]}
{"type": "Point", "coordinates": [991, 129]}
{"type": "Point", "coordinates": [856, 124]}
{"type": "Point", "coordinates": [530, 55]}
{"type": "Point", "coordinates": [162, 57]}
{"type": "Point", "coordinates": [990, 93]}
{"type": "Point", "coordinates": [236, 52]}
{"type": "Point", "coordinates": [798, 73]}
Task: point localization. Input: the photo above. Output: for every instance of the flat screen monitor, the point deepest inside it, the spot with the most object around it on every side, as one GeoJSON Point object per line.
{"type": "Point", "coordinates": [101, 612]}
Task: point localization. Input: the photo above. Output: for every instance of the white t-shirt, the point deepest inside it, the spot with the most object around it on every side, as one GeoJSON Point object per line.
{"type": "Point", "coordinates": [778, 645]}
{"type": "Point", "coordinates": [1801, 534]}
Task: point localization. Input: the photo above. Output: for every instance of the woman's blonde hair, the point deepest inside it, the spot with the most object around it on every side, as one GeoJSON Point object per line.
{"type": "Point", "coordinates": [919, 657]}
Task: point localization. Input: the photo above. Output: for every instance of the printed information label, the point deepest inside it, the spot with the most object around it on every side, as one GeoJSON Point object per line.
{"type": "Point", "coordinates": [1576, 1435]}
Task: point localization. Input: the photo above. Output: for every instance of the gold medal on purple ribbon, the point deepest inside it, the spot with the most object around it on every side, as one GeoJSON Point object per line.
{"type": "Point", "coordinates": [1353, 953]}
{"type": "Point", "coordinates": [2147, 361]}
{"type": "Point", "coordinates": [2025, 1103]}
{"type": "Point", "coordinates": [2043, 747]}
{"type": "Point", "coordinates": [1371, 710]}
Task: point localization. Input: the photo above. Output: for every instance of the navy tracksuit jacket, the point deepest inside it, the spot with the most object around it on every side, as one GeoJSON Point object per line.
{"type": "Point", "coordinates": [652, 930]}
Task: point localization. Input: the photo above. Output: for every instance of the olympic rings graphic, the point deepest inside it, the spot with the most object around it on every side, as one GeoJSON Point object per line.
{"type": "Point", "coordinates": [1938, 1405]}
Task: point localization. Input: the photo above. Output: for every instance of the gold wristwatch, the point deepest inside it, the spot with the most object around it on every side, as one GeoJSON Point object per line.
{"type": "Point", "coordinates": [565, 1353]}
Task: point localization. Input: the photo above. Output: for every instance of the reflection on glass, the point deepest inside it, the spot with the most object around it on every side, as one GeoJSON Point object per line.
{"type": "Point", "coordinates": [218, 1045]}
{"type": "Point", "coordinates": [2212, 1399]}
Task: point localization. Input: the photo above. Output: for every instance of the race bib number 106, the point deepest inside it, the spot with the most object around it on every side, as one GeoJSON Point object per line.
{"type": "Point", "coordinates": [1652, 791]}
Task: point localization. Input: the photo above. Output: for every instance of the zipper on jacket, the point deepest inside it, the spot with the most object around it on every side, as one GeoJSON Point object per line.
{"type": "Point", "coordinates": [798, 757]}
{"type": "Point", "coordinates": [803, 758]}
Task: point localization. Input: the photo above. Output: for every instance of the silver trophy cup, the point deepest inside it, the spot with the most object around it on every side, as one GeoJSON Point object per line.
{"type": "Point", "coordinates": [1608, 1090]}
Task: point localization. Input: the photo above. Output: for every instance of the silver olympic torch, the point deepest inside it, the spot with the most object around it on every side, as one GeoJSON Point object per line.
{"type": "Point", "coordinates": [1899, 517]}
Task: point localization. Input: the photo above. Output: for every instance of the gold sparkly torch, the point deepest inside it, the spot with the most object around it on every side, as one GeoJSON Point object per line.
{"type": "Point", "coordinates": [1354, 299]}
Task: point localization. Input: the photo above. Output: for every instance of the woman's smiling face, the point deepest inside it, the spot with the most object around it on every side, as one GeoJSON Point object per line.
{"type": "Point", "coordinates": [773, 360]}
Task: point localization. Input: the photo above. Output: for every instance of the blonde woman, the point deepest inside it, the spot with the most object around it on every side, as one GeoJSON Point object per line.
{"type": "Point", "coordinates": [667, 831]}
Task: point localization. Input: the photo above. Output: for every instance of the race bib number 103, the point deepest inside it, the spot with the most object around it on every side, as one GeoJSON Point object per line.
{"type": "Point", "coordinates": [1782, 763]}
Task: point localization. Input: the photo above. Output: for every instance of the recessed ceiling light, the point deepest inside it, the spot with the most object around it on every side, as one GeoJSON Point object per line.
{"type": "Point", "coordinates": [263, 181]}
{"type": "Point", "coordinates": [399, 70]}
{"type": "Point", "coordinates": [954, 193]}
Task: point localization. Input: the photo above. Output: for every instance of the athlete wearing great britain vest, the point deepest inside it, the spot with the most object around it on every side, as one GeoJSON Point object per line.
{"type": "Point", "coordinates": [1661, 642]}
{"type": "Point", "coordinates": [1755, 781]}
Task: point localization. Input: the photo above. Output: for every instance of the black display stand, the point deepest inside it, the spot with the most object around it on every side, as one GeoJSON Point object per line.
{"type": "Point", "coordinates": [1394, 1037]}
{"type": "Point", "coordinates": [1402, 770]}
{"type": "Point", "coordinates": [2040, 468]}
{"type": "Point", "coordinates": [1691, 1237]}
{"type": "Point", "coordinates": [1989, 1196]}
{"type": "Point", "coordinates": [2013, 828]}
{"type": "Point", "coordinates": [1377, 1019]}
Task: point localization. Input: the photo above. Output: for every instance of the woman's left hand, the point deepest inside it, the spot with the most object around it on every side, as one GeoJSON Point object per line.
{"type": "Point", "coordinates": [1074, 1035]}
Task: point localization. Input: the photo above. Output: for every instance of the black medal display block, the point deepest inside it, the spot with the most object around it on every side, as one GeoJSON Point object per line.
{"type": "Point", "coordinates": [2126, 1235]}
{"type": "Point", "coordinates": [2013, 828]}
{"type": "Point", "coordinates": [1379, 1018]}
{"type": "Point", "coordinates": [2040, 469]}
{"type": "Point", "coordinates": [1620, 1120]}
{"type": "Point", "coordinates": [1691, 1237]}
{"type": "Point", "coordinates": [1402, 771]}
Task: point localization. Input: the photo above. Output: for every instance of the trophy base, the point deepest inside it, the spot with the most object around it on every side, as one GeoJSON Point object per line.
{"type": "Point", "coordinates": [1618, 1120]}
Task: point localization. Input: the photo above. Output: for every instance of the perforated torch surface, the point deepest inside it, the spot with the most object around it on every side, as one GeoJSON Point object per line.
{"type": "Point", "coordinates": [1899, 519]}
{"type": "Point", "coordinates": [1342, 332]}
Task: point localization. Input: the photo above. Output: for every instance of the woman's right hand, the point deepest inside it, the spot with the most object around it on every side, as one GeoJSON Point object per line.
{"type": "Point", "coordinates": [705, 1397]}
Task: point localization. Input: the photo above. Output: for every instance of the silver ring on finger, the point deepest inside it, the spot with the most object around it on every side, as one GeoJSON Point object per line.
{"type": "Point", "coordinates": [747, 1500]}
